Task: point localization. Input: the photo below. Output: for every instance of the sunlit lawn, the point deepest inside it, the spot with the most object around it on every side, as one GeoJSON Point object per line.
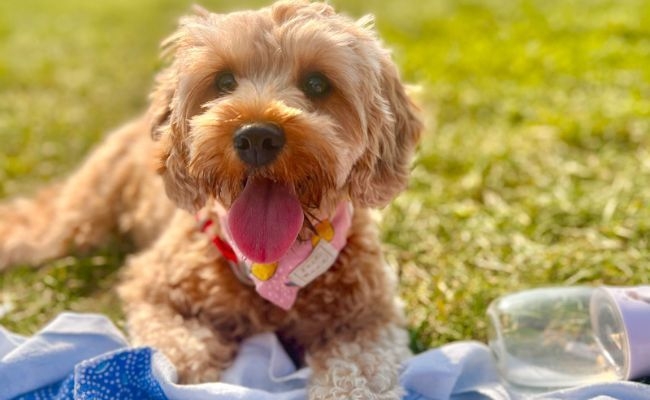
{"type": "Point", "coordinates": [535, 169]}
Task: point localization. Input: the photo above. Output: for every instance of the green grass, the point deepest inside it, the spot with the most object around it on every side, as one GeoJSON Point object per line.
{"type": "Point", "coordinates": [535, 169]}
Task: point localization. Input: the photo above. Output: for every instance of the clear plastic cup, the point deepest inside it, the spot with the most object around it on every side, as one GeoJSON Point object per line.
{"type": "Point", "coordinates": [553, 338]}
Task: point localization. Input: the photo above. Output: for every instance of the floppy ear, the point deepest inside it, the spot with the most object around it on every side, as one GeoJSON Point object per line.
{"type": "Point", "coordinates": [160, 101]}
{"type": "Point", "coordinates": [393, 133]}
{"type": "Point", "coordinates": [168, 125]}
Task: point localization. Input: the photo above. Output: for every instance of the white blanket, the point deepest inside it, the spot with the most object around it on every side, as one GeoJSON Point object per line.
{"type": "Point", "coordinates": [84, 356]}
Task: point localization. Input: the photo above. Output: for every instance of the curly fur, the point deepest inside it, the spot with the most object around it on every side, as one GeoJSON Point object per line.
{"type": "Point", "coordinates": [178, 293]}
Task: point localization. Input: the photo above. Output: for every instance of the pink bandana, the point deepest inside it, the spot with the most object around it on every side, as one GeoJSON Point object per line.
{"type": "Point", "coordinates": [306, 260]}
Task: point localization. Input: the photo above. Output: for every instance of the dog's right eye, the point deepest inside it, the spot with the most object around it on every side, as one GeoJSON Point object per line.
{"type": "Point", "coordinates": [225, 82]}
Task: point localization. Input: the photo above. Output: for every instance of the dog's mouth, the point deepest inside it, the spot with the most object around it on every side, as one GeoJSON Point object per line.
{"type": "Point", "coordinates": [265, 219]}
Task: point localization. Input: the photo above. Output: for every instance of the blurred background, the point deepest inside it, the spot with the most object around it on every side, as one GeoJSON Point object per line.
{"type": "Point", "coordinates": [534, 170]}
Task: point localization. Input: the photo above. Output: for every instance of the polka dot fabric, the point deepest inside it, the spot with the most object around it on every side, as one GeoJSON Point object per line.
{"type": "Point", "coordinates": [124, 375]}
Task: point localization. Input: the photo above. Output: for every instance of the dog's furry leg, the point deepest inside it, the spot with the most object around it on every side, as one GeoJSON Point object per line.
{"type": "Point", "coordinates": [115, 190]}
{"type": "Point", "coordinates": [192, 347]}
{"type": "Point", "coordinates": [173, 297]}
{"type": "Point", "coordinates": [364, 368]}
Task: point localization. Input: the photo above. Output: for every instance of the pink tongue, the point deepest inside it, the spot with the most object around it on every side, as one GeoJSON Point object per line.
{"type": "Point", "coordinates": [265, 220]}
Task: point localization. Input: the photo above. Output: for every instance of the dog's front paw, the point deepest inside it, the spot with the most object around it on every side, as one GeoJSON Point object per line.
{"type": "Point", "coordinates": [195, 350]}
{"type": "Point", "coordinates": [193, 353]}
{"type": "Point", "coordinates": [192, 370]}
{"type": "Point", "coordinates": [318, 392]}
{"type": "Point", "coordinates": [346, 380]}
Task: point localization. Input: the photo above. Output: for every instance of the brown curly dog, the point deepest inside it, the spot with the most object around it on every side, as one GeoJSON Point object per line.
{"type": "Point", "coordinates": [277, 130]}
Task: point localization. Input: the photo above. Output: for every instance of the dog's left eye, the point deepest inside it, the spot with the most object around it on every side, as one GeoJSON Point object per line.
{"type": "Point", "coordinates": [316, 85]}
{"type": "Point", "coordinates": [226, 82]}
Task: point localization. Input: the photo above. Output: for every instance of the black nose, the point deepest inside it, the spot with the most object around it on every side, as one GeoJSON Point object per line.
{"type": "Point", "coordinates": [258, 144]}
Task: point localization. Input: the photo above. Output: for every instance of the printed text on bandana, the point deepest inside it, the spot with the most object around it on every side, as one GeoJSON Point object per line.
{"type": "Point", "coordinates": [321, 258]}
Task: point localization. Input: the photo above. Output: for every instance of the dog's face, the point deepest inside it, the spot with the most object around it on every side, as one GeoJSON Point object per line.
{"type": "Point", "coordinates": [292, 105]}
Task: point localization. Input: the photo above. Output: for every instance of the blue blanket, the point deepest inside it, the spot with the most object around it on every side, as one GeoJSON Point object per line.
{"type": "Point", "coordinates": [83, 356]}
